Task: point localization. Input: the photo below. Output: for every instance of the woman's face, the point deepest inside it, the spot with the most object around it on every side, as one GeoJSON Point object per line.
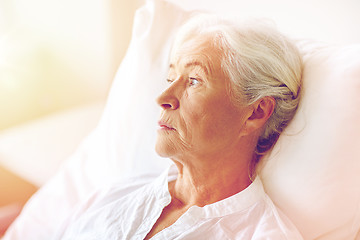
{"type": "Point", "coordinates": [198, 116]}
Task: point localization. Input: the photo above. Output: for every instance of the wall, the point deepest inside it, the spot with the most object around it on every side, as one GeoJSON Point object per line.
{"type": "Point", "coordinates": [335, 21]}
{"type": "Point", "coordinates": [58, 54]}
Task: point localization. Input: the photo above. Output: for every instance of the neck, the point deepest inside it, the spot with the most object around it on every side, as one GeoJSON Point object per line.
{"type": "Point", "coordinates": [203, 184]}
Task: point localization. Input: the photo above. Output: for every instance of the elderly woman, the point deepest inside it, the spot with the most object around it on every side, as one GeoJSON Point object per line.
{"type": "Point", "coordinates": [232, 90]}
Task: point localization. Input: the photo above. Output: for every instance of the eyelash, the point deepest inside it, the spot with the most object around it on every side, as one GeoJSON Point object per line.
{"type": "Point", "coordinates": [191, 79]}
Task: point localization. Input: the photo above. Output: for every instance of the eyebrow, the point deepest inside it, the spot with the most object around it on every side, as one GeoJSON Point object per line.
{"type": "Point", "coordinates": [194, 63]}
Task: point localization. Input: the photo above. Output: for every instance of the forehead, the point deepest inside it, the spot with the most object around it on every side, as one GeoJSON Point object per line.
{"type": "Point", "coordinates": [192, 63]}
{"type": "Point", "coordinates": [199, 52]}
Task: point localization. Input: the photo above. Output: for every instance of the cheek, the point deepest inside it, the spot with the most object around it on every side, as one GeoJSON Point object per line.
{"type": "Point", "coordinates": [198, 119]}
{"type": "Point", "coordinates": [218, 119]}
{"type": "Point", "coordinates": [206, 121]}
{"type": "Point", "coordinates": [189, 120]}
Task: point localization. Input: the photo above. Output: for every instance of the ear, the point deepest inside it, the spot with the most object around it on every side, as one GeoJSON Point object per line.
{"type": "Point", "coordinates": [261, 112]}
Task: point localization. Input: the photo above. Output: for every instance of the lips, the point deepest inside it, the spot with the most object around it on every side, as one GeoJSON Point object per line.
{"type": "Point", "coordinates": [165, 126]}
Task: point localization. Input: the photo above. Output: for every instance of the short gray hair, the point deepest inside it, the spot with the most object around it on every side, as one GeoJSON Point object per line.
{"type": "Point", "coordinates": [259, 62]}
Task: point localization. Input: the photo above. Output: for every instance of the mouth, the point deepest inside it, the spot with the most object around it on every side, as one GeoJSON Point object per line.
{"type": "Point", "coordinates": [165, 126]}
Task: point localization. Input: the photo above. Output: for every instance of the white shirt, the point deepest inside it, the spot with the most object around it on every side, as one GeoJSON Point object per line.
{"type": "Point", "coordinates": [130, 212]}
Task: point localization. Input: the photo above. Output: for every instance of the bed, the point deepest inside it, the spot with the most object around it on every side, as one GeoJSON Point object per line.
{"type": "Point", "coordinates": [312, 174]}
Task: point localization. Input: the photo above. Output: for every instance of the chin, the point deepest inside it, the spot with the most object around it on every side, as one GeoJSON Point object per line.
{"type": "Point", "coordinates": [164, 149]}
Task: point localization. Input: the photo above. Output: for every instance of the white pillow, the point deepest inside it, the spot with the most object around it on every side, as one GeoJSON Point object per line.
{"type": "Point", "coordinates": [299, 177]}
{"type": "Point", "coordinates": [312, 173]}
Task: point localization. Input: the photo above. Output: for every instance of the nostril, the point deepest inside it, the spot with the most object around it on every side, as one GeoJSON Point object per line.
{"type": "Point", "coordinates": [168, 102]}
{"type": "Point", "coordinates": [166, 105]}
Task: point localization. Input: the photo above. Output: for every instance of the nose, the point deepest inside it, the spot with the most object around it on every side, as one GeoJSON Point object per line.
{"type": "Point", "coordinates": [167, 100]}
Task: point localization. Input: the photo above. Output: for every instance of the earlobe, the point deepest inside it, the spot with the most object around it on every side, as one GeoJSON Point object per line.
{"type": "Point", "coordinates": [262, 111]}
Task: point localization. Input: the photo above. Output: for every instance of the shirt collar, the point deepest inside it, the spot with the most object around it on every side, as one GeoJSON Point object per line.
{"type": "Point", "coordinates": [235, 203]}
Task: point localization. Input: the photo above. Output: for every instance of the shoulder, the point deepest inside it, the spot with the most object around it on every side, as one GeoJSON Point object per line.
{"type": "Point", "coordinates": [273, 223]}
{"type": "Point", "coordinates": [250, 214]}
{"type": "Point", "coordinates": [96, 212]}
{"type": "Point", "coordinates": [121, 189]}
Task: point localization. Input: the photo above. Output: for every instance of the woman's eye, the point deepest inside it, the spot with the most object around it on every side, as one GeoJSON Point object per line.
{"type": "Point", "coordinates": [194, 82]}
{"type": "Point", "coordinates": [170, 81]}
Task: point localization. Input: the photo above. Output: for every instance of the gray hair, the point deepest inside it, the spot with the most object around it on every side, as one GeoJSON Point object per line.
{"type": "Point", "coordinates": [259, 62]}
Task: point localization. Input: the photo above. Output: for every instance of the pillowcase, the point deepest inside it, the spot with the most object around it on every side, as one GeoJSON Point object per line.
{"type": "Point", "coordinates": [311, 174]}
